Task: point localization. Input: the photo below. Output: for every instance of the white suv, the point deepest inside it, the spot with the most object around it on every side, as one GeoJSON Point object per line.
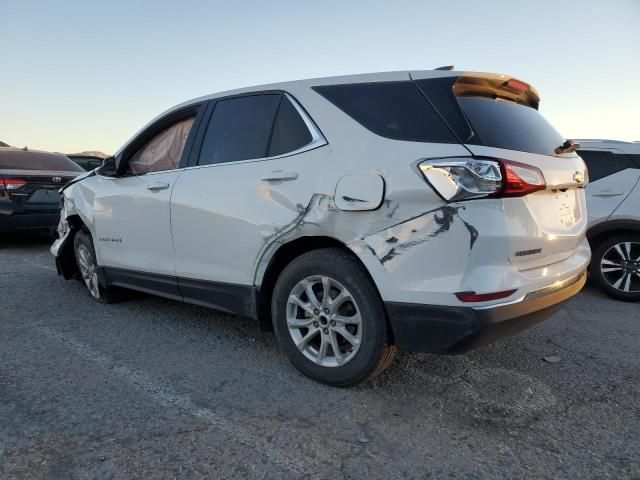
{"type": "Point", "coordinates": [613, 200]}
{"type": "Point", "coordinates": [427, 211]}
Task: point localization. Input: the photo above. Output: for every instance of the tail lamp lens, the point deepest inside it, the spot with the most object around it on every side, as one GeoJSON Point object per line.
{"type": "Point", "coordinates": [11, 183]}
{"type": "Point", "coordinates": [521, 179]}
{"type": "Point", "coordinates": [456, 179]}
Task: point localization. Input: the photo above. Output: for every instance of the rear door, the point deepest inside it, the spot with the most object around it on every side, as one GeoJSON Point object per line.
{"type": "Point", "coordinates": [497, 117]}
{"type": "Point", "coordinates": [254, 176]}
{"type": "Point", "coordinates": [612, 176]}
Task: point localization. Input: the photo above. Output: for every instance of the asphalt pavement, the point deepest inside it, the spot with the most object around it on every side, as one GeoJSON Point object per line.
{"type": "Point", "coordinates": [151, 388]}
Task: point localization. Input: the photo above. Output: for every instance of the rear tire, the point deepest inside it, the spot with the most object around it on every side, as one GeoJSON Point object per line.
{"type": "Point", "coordinates": [615, 267]}
{"type": "Point", "coordinates": [88, 267]}
{"type": "Point", "coordinates": [341, 336]}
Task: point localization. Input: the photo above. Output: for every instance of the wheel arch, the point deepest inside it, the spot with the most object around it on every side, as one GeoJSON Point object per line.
{"type": "Point", "coordinates": [598, 233]}
{"type": "Point", "coordinates": [284, 255]}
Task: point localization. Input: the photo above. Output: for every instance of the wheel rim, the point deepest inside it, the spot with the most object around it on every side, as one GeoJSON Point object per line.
{"type": "Point", "coordinates": [324, 321]}
{"type": "Point", "coordinates": [620, 267]}
{"type": "Point", "coordinates": [88, 270]}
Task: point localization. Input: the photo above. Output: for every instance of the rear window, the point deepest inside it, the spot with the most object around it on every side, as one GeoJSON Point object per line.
{"type": "Point", "coordinates": [25, 160]}
{"type": "Point", "coordinates": [602, 163]}
{"type": "Point", "coordinates": [393, 110]}
{"type": "Point", "coordinates": [505, 124]}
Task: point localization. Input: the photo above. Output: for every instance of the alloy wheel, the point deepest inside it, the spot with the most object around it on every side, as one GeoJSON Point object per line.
{"type": "Point", "coordinates": [620, 267]}
{"type": "Point", "coordinates": [88, 270]}
{"type": "Point", "coordinates": [324, 321]}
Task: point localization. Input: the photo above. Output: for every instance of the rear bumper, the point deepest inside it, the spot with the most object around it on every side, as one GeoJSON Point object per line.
{"type": "Point", "coordinates": [446, 329]}
{"type": "Point", "coordinates": [29, 221]}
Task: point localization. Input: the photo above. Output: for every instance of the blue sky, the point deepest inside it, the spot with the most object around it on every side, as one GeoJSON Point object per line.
{"type": "Point", "coordinates": [80, 75]}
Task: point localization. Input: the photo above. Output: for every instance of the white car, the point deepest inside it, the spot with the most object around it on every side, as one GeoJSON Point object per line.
{"type": "Point", "coordinates": [427, 211]}
{"type": "Point", "coordinates": [613, 200]}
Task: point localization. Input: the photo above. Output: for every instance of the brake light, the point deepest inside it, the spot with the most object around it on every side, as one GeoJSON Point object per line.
{"type": "Point", "coordinates": [11, 183]}
{"type": "Point", "coordinates": [517, 85]}
{"type": "Point", "coordinates": [456, 179]}
{"type": "Point", "coordinates": [483, 297]}
{"type": "Point", "coordinates": [520, 180]}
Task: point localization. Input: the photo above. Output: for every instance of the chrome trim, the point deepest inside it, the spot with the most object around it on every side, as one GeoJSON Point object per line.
{"type": "Point", "coordinates": [558, 285]}
{"type": "Point", "coordinates": [317, 140]}
{"type": "Point", "coordinates": [540, 292]}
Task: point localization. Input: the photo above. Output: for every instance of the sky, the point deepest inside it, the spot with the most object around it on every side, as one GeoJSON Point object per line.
{"type": "Point", "coordinates": [84, 75]}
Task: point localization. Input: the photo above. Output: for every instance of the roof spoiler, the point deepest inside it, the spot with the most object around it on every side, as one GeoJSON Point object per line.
{"type": "Point", "coordinates": [490, 85]}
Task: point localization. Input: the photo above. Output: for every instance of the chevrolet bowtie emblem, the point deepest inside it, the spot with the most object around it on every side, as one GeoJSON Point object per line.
{"type": "Point", "coordinates": [578, 177]}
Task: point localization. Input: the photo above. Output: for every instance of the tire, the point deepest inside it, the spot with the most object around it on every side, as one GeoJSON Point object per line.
{"type": "Point", "coordinates": [615, 267]}
{"type": "Point", "coordinates": [364, 349]}
{"type": "Point", "coordinates": [85, 256]}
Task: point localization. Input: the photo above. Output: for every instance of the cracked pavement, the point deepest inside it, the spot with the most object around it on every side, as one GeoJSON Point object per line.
{"type": "Point", "coordinates": [151, 388]}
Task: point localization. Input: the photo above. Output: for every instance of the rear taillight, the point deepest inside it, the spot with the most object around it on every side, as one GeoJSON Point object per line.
{"type": "Point", "coordinates": [456, 179]}
{"type": "Point", "coordinates": [520, 180]}
{"type": "Point", "coordinates": [11, 183]}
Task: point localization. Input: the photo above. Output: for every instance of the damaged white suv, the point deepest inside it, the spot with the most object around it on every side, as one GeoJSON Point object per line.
{"type": "Point", "coordinates": [428, 211]}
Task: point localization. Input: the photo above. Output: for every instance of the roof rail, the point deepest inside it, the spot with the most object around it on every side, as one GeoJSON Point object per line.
{"type": "Point", "coordinates": [446, 67]}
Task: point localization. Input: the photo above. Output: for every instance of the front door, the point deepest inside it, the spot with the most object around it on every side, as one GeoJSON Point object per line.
{"type": "Point", "coordinates": [132, 213]}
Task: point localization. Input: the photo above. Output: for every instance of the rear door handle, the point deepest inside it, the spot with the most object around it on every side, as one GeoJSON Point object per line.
{"type": "Point", "coordinates": [280, 176]}
{"type": "Point", "coordinates": [155, 186]}
{"type": "Point", "coordinates": [608, 193]}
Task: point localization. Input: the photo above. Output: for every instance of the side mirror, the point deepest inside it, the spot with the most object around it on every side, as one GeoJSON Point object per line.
{"type": "Point", "coordinates": [108, 168]}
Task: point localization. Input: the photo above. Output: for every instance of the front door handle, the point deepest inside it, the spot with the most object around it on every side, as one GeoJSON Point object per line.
{"type": "Point", "coordinates": [607, 193]}
{"type": "Point", "coordinates": [280, 176]}
{"type": "Point", "coordinates": [155, 186]}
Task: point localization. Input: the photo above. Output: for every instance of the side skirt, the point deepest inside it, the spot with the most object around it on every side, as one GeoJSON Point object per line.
{"type": "Point", "coordinates": [227, 297]}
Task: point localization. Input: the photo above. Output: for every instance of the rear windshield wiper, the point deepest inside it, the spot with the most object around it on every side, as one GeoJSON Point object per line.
{"type": "Point", "coordinates": [567, 147]}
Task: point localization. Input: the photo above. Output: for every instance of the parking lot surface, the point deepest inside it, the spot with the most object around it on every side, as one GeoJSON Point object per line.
{"type": "Point", "coordinates": [151, 388]}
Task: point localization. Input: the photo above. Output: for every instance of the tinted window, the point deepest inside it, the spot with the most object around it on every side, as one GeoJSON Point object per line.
{"type": "Point", "coordinates": [394, 110]}
{"type": "Point", "coordinates": [504, 124]}
{"type": "Point", "coordinates": [25, 160]}
{"type": "Point", "coordinates": [439, 91]}
{"type": "Point", "coordinates": [602, 163]}
{"type": "Point", "coordinates": [239, 129]}
{"type": "Point", "coordinates": [635, 160]}
{"type": "Point", "coordinates": [290, 132]}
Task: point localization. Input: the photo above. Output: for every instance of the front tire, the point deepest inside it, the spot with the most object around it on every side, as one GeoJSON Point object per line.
{"type": "Point", "coordinates": [329, 318]}
{"type": "Point", "coordinates": [615, 267]}
{"type": "Point", "coordinates": [88, 267]}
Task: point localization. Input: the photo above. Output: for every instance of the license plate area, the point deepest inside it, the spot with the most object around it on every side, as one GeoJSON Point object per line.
{"type": "Point", "coordinates": [556, 211]}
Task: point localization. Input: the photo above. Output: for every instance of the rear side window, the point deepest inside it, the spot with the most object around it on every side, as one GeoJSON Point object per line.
{"type": "Point", "coordinates": [506, 124]}
{"type": "Point", "coordinates": [602, 163]}
{"type": "Point", "coordinates": [289, 132]}
{"type": "Point", "coordinates": [394, 110]}
{"type": "Point", "coordinates": [25, 160]}
{"type": "Point", "coordinates": [239, 129]}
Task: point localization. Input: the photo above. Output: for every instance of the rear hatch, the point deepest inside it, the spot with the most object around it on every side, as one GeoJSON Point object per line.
{"type": "Point", "coordinates": [496, 116]}
{"type": "Point", "coordinates": [30, 180]}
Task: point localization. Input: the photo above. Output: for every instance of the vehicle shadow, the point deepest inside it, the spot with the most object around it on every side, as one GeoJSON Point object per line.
{"type": "Point", "coordinates": [25, 240]}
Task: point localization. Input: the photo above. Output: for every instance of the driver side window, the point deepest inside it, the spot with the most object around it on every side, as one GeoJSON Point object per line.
{"type": "Point", "coordinates": [163, 151]}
